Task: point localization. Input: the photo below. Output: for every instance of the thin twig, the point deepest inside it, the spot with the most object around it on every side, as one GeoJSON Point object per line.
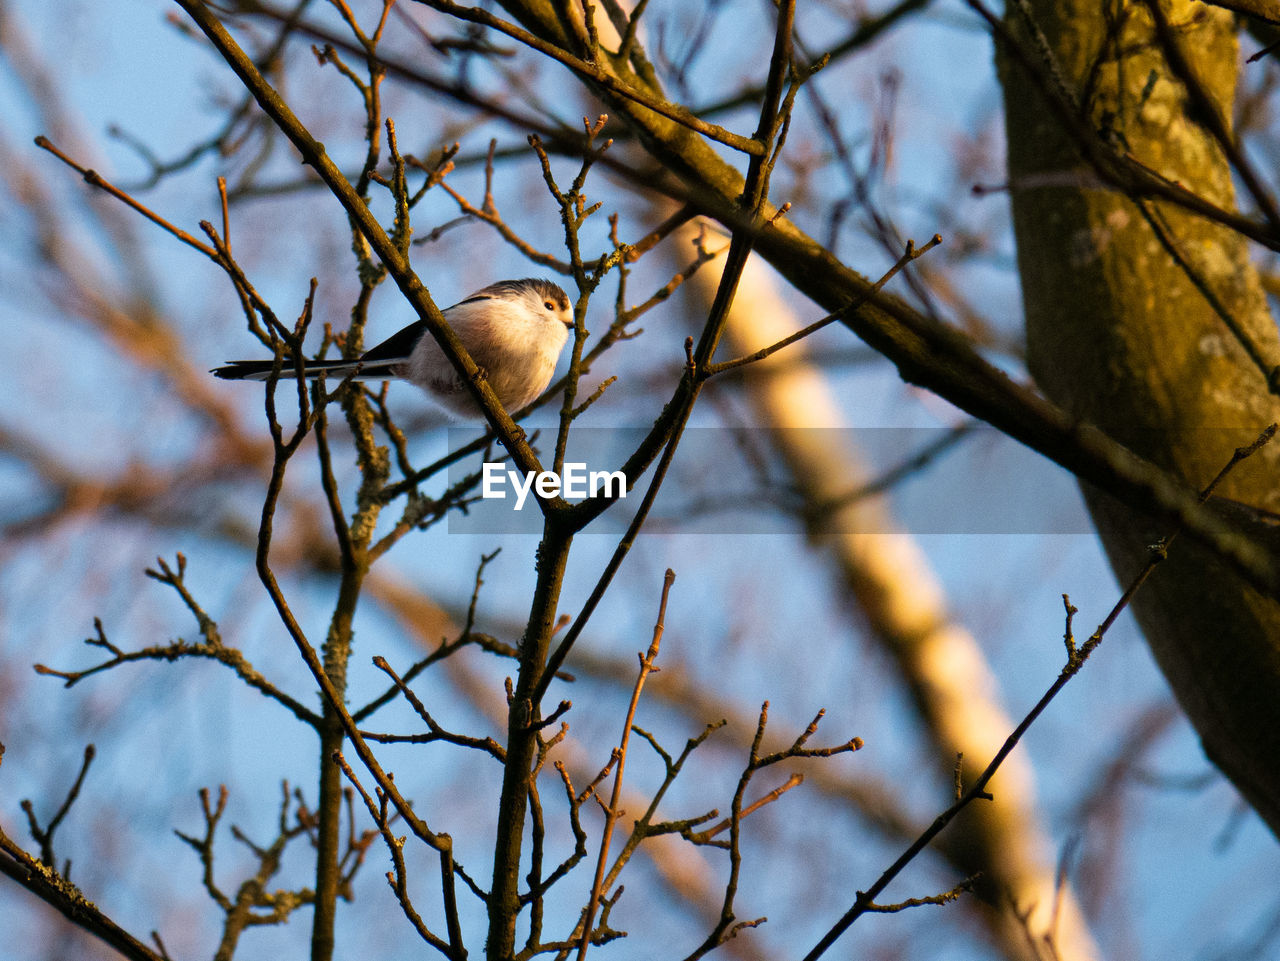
{"type": "Point", "coordinates": [1076, 658]}
{"type": "Point", "coordinates": [647, 665]}
{"type": "Point", "coordinates": [911, 253]}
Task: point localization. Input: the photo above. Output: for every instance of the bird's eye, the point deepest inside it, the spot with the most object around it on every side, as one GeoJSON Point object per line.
{"type": "Point", "coordinates": [549, 304]}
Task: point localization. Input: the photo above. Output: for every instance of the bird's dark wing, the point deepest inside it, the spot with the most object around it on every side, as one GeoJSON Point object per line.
{"type": "Point", "coordinates": [398, 346]}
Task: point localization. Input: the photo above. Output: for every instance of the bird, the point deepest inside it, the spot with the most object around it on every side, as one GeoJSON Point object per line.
{"type": "Point", "coordinates": [514, 330]}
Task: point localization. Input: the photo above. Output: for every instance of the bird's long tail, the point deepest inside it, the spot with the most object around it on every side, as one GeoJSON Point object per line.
{"type": "Point", "coordinates": [333, 370]}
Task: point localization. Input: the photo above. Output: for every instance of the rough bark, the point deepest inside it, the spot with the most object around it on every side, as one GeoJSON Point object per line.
{"type": "Point", "coordinates": [1122, 332]}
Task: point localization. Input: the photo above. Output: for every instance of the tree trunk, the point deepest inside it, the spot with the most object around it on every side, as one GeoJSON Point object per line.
{"type": "Point", "coordinates": [1124, 333]}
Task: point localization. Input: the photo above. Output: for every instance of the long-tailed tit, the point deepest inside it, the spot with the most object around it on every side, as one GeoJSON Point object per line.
{"type": "Point", "coordinates": [514, 330]}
